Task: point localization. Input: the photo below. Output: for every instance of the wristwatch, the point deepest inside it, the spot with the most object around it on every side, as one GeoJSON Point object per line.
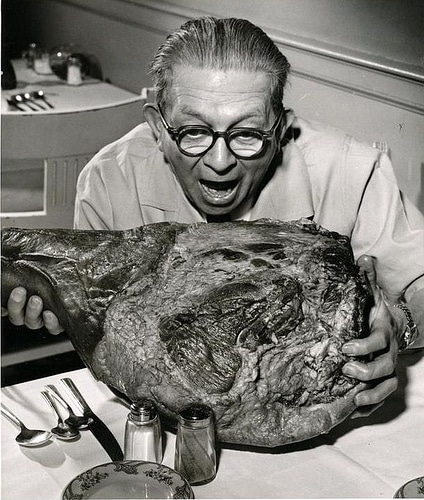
{"type": "Point", "coordinates": [410, 332]}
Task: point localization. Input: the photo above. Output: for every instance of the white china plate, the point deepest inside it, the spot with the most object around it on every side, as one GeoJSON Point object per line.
{"type": "Point", "coordinates": [128, 479]}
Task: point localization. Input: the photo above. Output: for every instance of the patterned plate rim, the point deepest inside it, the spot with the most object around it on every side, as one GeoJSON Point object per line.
{"type": "Point", "coordinates": [94, 475]}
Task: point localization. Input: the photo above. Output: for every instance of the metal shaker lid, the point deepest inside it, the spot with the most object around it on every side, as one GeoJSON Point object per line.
{"type": "Point", "coordinates": [143, 410]}
{"type": "Point", "coordinates": [196, 415]}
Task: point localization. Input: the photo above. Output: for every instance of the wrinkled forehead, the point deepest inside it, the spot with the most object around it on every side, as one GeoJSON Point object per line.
{"type": "Point", "coordinates": [193, 82]}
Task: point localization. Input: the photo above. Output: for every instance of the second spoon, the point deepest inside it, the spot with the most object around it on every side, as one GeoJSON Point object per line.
{"type": "Point", "coordinates": [62, 430]}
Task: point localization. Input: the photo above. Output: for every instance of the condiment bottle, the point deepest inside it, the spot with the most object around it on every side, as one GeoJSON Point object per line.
{"type": "Point", "coordinates": [74, 71]}
{"type": "Point", "coordinates": [31, 54]}
{"type": "Point", "coordinates": [195, 455]}
{"type": "Point", "coordinates": [42, 63]}
{"type": "Point", "coordinates": [143, 434]}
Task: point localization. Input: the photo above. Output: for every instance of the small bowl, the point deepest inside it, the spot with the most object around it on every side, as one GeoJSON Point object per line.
{"type": "Point", "coordinates": [128, 479]}
{"type": "Point", "coordinates": [411, 489]}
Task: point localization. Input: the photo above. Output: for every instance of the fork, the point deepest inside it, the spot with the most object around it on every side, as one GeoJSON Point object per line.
{"type": "Point", "coordinates": [39, 94]}
{"type": "Point", "coordinates": [27, 96]}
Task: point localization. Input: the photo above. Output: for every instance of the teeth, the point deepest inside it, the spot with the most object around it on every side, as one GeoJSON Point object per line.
{"type": "Point", "coordinates": [217, 193]}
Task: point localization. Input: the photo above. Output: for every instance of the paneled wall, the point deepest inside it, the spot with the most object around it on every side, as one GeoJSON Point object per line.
{"type": "Point", "coordinates": [356, 64]}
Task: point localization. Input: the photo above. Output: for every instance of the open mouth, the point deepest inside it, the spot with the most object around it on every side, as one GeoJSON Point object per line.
{"type": "Point", "coordinates": [219, 191]}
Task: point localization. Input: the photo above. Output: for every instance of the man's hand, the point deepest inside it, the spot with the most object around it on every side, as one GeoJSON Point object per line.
{"type": "Point", "coordinates": [30, 312]}
{"type": "Point", "coordinates": [380, 346]}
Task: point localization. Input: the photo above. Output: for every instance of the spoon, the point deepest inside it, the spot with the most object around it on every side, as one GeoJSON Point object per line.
{"type": "Point", "coordinates": [39, 94]}
{"type": "Point", "coordinates": [21, 100]}
{"type": "Point", "coordinates": [12, 103]}
{"type": "Point", "coordinates": [80, 422]}
{"type": "Point", "coordinates": [27, 437]}
{"type": "Point", "coordinates": [61, 431]}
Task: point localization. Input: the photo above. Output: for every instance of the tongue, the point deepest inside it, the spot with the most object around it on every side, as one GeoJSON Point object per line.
{"type": "Point", "coordinates": [219, 188]}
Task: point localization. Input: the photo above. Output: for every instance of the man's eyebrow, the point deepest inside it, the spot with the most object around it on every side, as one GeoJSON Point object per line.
{"type": "Point", "coordinates": [259, 112]}
{"type": "Point", "coordinates": [187, 110]}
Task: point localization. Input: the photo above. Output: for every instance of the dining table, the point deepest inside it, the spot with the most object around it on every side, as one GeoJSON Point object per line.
{"type": "Point", "coordinates": [366, 457]}
{"type": "Point", "coordinates": [46, 142]}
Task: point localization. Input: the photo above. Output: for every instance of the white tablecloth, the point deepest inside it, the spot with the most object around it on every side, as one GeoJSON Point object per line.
{"type": "Point", "coordinates": [91, 95]}
{"type": "Point", "coordinates": [361, 458]}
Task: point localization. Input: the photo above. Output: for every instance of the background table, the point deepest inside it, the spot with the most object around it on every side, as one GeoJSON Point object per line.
{"type": "Point", "coordinates": [44, 151]}
{"type": "Point", "coordinates": [361, 458]}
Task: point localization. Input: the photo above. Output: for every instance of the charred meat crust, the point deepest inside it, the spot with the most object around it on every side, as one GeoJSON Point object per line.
{"type": "Point", "coordinates": [248, 317]}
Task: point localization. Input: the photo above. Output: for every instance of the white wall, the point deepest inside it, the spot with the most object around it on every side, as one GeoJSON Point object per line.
{"type": "Point", "coordinates": [386, 29]}
{"type": "Point", "coordinates": [357, 64]}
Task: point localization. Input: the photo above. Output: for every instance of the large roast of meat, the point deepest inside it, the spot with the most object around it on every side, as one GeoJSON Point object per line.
{"type": "Point", "coordinates": [247, 317]}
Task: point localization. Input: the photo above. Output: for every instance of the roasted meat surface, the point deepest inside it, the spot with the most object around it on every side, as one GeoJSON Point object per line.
{"type": "Point", "coordinates": [247, 317]}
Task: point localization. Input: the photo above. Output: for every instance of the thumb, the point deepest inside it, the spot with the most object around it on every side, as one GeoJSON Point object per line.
{"type": "Point", "coordinates": [367, 268]}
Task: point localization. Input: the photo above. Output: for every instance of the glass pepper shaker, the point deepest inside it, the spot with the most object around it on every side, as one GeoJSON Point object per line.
{"type": "Point", "coordinates": [195, 454]}
{"type": "Point", "coordinates": [143, 434]}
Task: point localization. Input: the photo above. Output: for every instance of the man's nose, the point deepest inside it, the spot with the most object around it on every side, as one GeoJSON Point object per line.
{"type": "Point", "coordinates": [219, 157]}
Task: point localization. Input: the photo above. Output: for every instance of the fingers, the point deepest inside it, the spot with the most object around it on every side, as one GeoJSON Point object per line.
{"type": "Point", "coordinates": [383, 366]}
{"type": "Point", "coordinates": [375, 342]}
{"type": "Point", "coordinates": [378, 373]}
{"type": "Point", "coordinates": [30, 313]}
{"type": "Point", "coordinates": [380, 339]}
{"type": "Point", "coordinates": [379, 345]}
{"type": "Point", "coordinates": [33, 313]}
{"type": "Point", "coordinates": [52, 323]}
{"type": "Point", "coordinates": [16, 306]}
{"type": "Point", "coordinates": [366, 411]}
{"type": "Point", "coordinates": [376, 395]}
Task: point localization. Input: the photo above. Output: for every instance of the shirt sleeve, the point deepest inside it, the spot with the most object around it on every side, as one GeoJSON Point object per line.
{"type": "Point", "coordinates": [92, 204]}
{"type": "Point", "coordinates": [391, 229]}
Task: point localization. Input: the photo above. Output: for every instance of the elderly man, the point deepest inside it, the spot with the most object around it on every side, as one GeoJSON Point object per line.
{"type": "Point", "coordinates": [219, 145]}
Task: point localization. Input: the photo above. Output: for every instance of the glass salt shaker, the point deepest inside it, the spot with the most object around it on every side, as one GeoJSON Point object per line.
{"type": "Point", "coordinates": [195, 454]}
{"type": "Point", "coordinates": [42, 63]}
{"type": "Point", "coordinates": [74, 71]}
{"type": "Point", "coordinates": [143, 434]}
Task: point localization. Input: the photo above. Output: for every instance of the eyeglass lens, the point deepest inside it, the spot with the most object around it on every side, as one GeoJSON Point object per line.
{"type": "Point", "coordinates": [196, 141]}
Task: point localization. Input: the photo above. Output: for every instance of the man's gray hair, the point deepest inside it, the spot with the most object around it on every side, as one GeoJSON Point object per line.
{"type": "Point", "coordinates": [220, 44]}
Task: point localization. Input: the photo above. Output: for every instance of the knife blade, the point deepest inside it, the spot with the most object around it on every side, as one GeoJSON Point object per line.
{"type": "Point", "coordinates": [98, 428]}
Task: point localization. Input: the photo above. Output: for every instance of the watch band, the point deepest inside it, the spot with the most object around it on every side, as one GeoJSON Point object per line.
{"type": "Point", "coordinates": [410, 333]}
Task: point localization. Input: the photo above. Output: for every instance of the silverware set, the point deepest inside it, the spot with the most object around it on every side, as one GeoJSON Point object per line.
{"type": "Point", "coordinates": [68, 423]}
{"type": "Point", "coordinates": [31, 100]}
{"type": "Point", "coordinates": [67, 427]}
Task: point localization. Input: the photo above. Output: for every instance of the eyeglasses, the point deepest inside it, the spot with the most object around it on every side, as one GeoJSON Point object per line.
{"type": "Point", "coordinates": [243, 142]}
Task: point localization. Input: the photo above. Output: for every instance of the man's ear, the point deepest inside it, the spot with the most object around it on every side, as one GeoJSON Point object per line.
{"type": "Point", "coordinates": [155, 123]}
{"type": "Point", "coordinates": [285, 129]}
